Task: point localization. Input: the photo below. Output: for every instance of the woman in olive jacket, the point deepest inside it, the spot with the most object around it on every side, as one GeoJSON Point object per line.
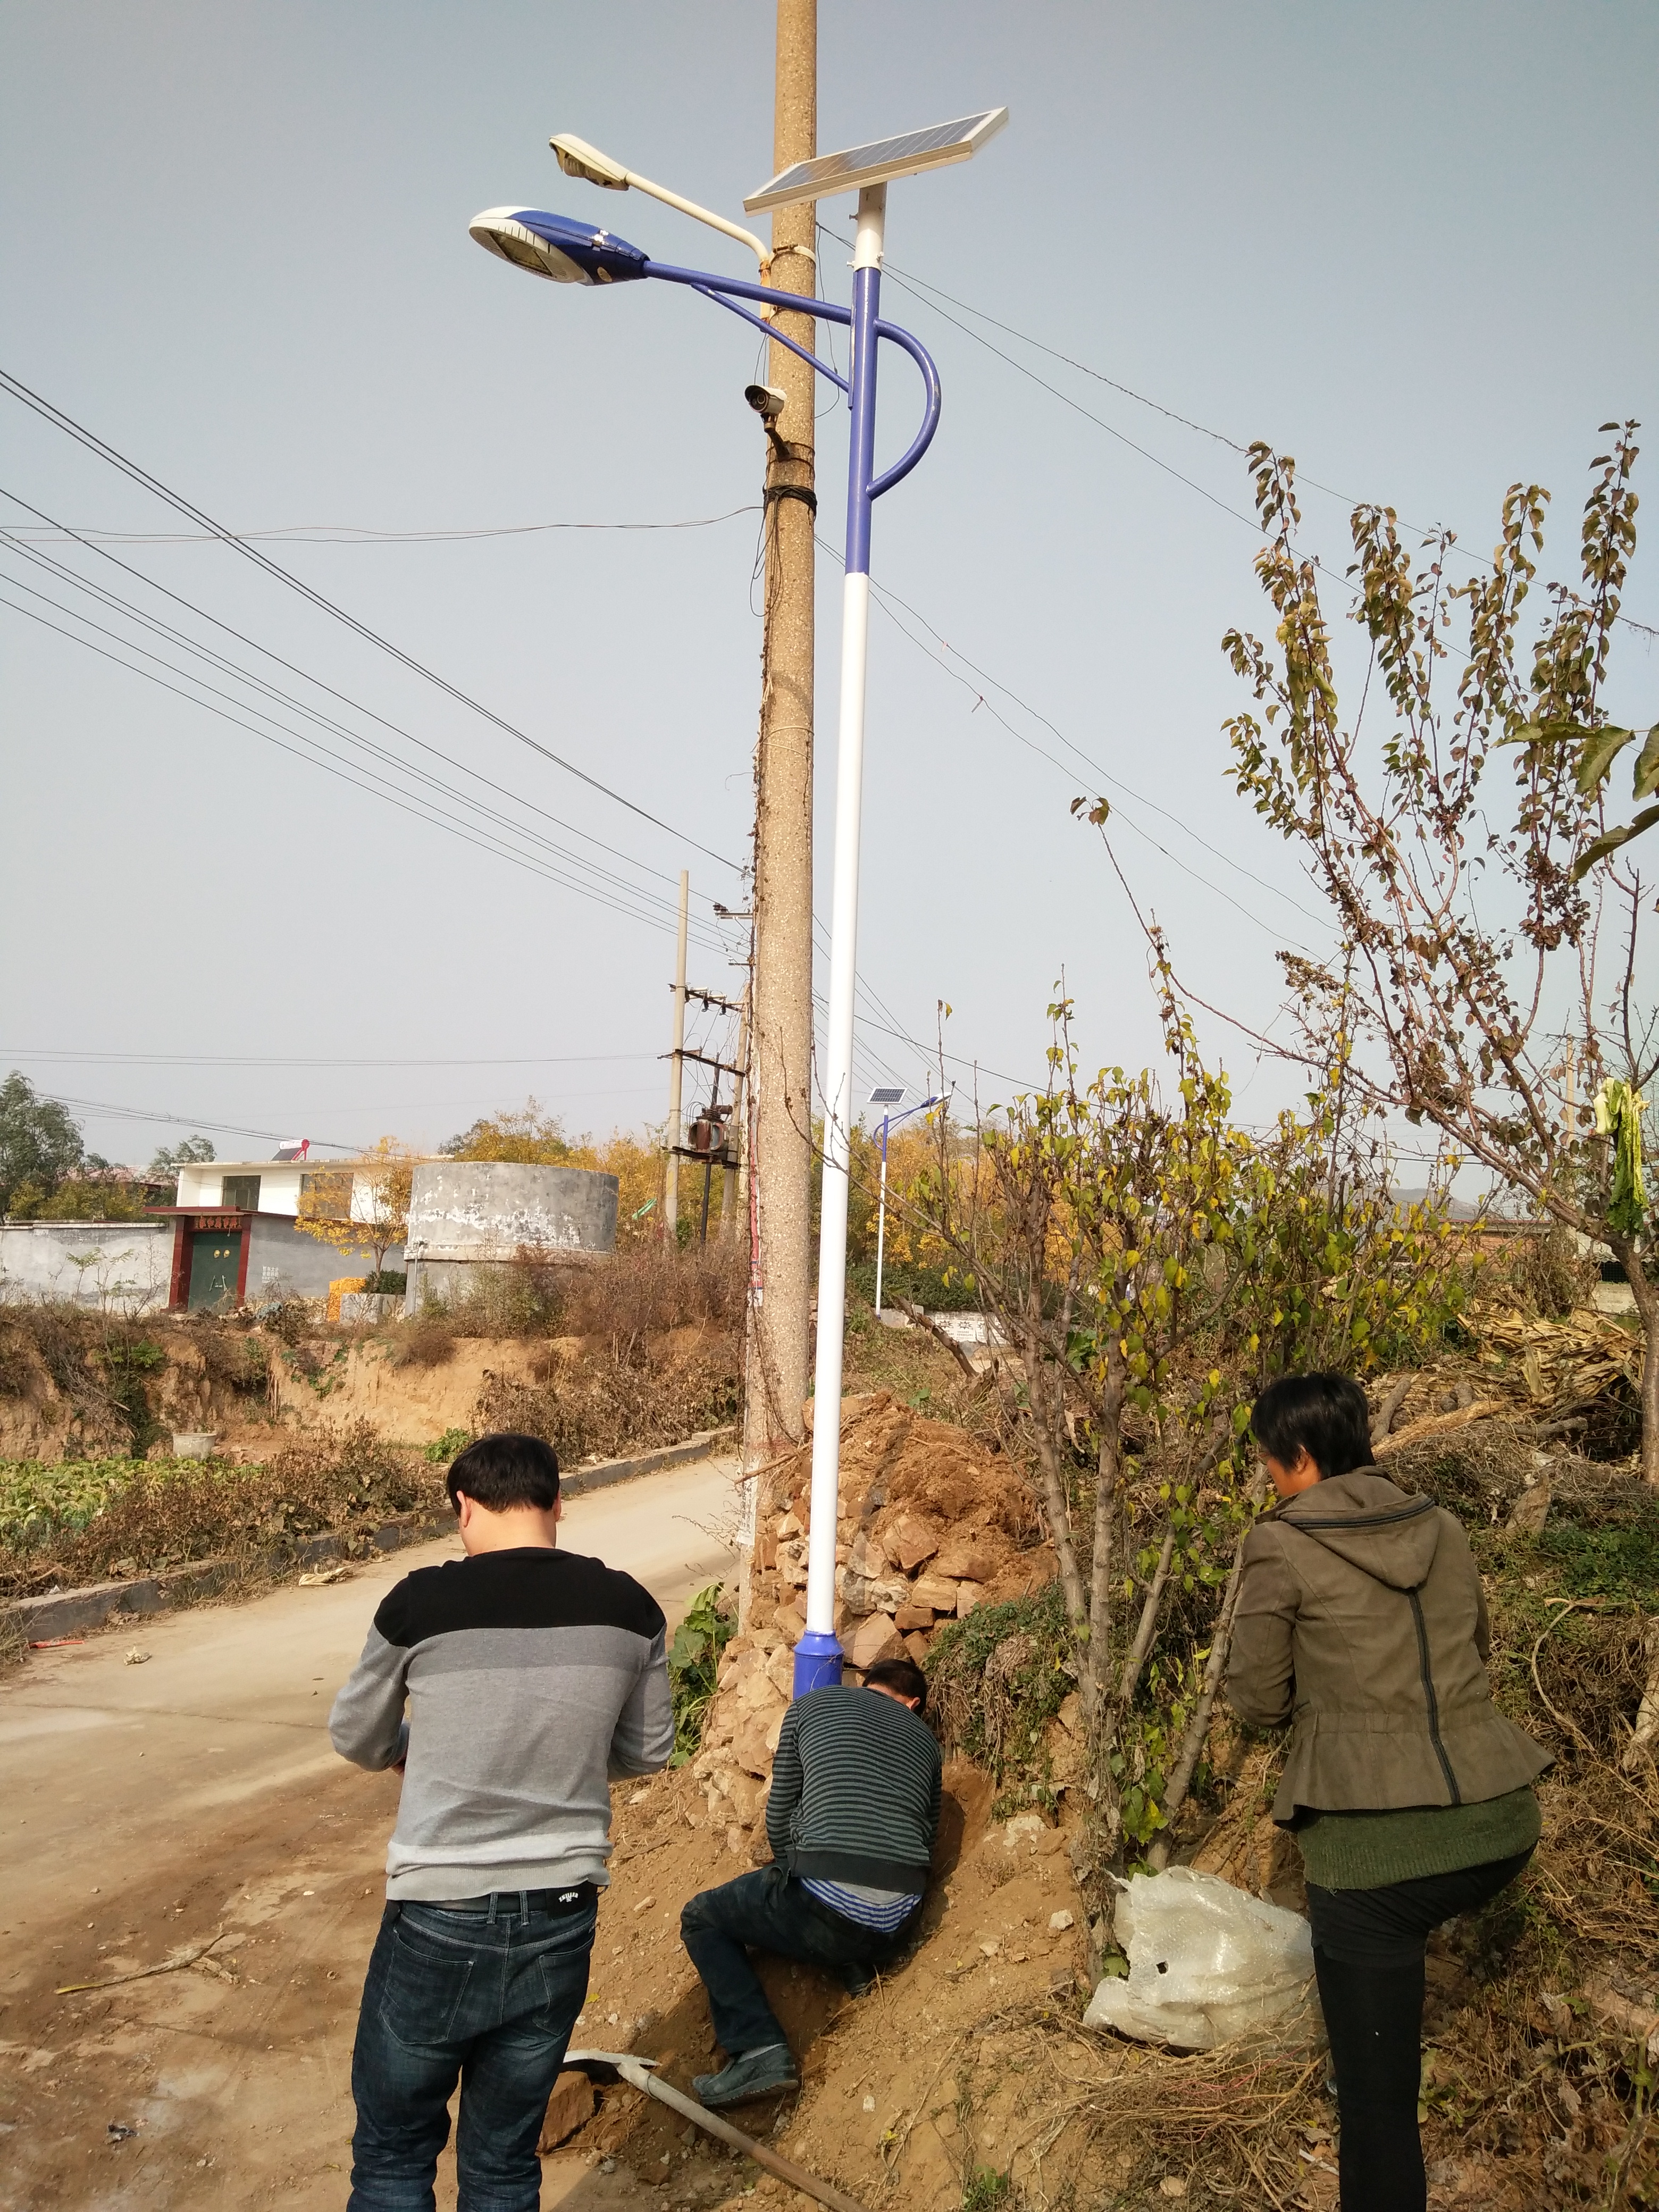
{"type": "Point", "coordinates": [1361, 1621]}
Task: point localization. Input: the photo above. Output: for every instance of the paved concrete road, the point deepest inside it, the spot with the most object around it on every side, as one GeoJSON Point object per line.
{"type": "Point", "coordinates": [105, 1761]}
{"type": "Point", "coordinates": [145, 1808]}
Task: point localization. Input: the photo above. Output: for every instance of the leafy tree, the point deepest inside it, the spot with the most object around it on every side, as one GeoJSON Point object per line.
{"type": "Point", "coordinates": [39, 1144]}
{"type": "Point", "coordinates": [1153, 1265]}
{"type": "Point", "coordinates": [528, 1136]}
{"type": "Point", "coordinates": [189, 1151]}
{"type": "Point", "coordinates": [1491, 924]}
{"type": "Point", "coordinates": [95, 1197]}
{"type": "Point", "coordinates": [360, 1206]}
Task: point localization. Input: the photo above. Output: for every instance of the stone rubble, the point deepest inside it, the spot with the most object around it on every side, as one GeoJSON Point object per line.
{"type": "Point", "coordinates": [931, 1524]}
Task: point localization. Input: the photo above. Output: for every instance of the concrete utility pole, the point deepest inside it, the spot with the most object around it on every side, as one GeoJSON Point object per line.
{"type": "Point", "coordinates": [780, 1031]}
{"type": "Point", "coordinates": [670, 1193]}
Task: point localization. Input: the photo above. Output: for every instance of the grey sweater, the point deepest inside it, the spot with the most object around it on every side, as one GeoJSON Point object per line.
{"type": "Point", "coordinates": [532, 1678]}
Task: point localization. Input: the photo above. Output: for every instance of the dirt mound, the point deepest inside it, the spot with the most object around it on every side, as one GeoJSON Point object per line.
{"type": "Point", "coordinates": [896, 2086]}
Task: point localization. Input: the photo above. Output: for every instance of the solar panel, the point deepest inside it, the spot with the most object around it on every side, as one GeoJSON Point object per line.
{"type": "Point", "coordinates": [875, 164]}
{"type": "Point", "coordinates": [886, 1098]}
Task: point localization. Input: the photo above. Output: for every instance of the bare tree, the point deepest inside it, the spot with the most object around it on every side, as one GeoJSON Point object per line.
{"type": "Point", "coordinates": [1490, 921]}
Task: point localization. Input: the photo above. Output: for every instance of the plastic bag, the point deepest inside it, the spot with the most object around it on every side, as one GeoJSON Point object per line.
{"type": "Point", "coordinates": [1208, 1963]}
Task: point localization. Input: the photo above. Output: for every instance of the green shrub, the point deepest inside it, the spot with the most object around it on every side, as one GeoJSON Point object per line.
{"type": "Point", "coordinates": [694, 1659]}
{"type": "Point", "coordinates": [997, 1679]}
{"type": "Point", "coordinates": [448, 1447]}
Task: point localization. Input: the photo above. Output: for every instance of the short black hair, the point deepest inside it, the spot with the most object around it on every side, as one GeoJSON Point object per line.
{"type": "Point", "coordinates": [903, 1676]}
{"type": "Point", "coordinates": [1324, 1414]}
{"type": "Point", "coordinates": [504, 1471]}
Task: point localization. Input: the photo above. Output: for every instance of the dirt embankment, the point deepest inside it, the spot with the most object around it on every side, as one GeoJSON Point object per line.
{"type": "Point", "coordinates": [74, 1387]}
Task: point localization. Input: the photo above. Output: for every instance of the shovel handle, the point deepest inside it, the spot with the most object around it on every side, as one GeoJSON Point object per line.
{"type": "Point", "coordinates": [786, 2168]}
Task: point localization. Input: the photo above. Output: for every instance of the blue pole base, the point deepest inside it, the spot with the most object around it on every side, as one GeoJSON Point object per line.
{"type": "Point", "coordinates": [817, 1662]}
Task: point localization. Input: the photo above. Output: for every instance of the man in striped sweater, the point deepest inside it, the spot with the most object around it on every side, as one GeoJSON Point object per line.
{"type": "Point", "coordinates": [508, 1688]}
{"type": "Point", "coordinates": [851, 1820]}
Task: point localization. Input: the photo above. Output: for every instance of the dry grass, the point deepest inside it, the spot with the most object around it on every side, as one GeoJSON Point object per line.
{"type": "Point", "coordinates": [646, 1290]}
{"type": "Point", "coordinates": [603, 1405]}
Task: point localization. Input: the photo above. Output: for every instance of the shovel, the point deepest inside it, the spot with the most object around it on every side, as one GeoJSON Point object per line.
{"type": "Point", "coordinates": [624, 2066]}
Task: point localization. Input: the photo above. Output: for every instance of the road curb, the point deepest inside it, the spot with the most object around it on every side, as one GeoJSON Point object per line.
{"type": "Point", "coordinates": [603, 1473]}
{"type": "Point", "coordinates": [32, 1621]}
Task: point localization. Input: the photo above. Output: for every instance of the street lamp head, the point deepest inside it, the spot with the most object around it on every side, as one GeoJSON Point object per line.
{"type": "Point", "coordinates": [578, 159]}
{"type": "Point", "coordinates": [553, 246]}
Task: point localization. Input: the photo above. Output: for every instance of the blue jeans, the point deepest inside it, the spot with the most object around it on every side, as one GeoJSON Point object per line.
{"type": "Point", "coordinates": [773, 1913]}
{"type": "Point", "coordinates": [491, 1996]}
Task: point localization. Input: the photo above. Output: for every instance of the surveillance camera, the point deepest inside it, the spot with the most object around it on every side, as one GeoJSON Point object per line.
{"type": "Point", "coordinates": [766, 399]}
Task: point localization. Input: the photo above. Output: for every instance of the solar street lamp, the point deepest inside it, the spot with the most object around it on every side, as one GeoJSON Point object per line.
{"type": "Point", "coordinates": [570, 252]}
{"type": "Point", "coordinates": [889, 1098]}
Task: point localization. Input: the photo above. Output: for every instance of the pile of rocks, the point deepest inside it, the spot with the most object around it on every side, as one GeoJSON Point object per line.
{"type": "Point", "coordinates": [931, 1524]}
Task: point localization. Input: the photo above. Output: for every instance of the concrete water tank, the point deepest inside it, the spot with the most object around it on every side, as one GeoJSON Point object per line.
{"type": "Point", "coordinates": [469, 1214]}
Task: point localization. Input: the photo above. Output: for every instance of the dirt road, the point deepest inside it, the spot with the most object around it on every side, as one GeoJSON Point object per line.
{"type": "Point", "coordinates": [149, 1808]}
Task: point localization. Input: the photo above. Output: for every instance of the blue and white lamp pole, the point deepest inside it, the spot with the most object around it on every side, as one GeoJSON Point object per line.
{"type": "Point", "coordinates": [570, 252]}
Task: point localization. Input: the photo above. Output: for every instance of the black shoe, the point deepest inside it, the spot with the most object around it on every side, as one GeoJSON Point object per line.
{"type": "Point", "coordinates": [751, 2073]}
{"type": "Point", "coordinates": [858, 1980]}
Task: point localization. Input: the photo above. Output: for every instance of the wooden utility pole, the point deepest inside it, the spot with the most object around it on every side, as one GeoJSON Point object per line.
{"type": "Point", "coordinates": [671, 1140]}
{"type": "Point", "coordinates": [780, 1090]}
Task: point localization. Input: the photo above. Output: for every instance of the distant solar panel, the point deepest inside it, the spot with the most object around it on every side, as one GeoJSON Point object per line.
{"type": "Point", "coordinates": [875, 164]}
{"type": "Point", "coordinates": [886, 1098]}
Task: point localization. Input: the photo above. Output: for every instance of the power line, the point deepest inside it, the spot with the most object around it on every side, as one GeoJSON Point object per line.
{"type": "Point", "coordinates": [51, 413]}
{"type": "Point", "coordinates": [182, 1121]}
{"type": "Point", "coordinates": [380, 752]}
{"type": "Point", "coordinates": [328, 689]}
{"type": "Point", "coordinates": [284, 1061]}
{"type": "Point", "coordinates": [907, 281]}
{"type": "Point", "coordinates": [318, 758]}
{"type": "Point", "coordinates": [882, 595]}
{"type": "Point", "coordinates": [320, 755]}
{"type": "Point", "coordinates": [346, 533]}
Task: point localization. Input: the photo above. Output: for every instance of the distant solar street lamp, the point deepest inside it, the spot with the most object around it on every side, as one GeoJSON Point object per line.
{"type": "Point", "coordinates": [889, 1098]}
{"type": "Point", "coordinates": [567, 252]}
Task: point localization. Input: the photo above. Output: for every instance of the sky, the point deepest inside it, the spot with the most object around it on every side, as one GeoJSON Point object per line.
{"type": "Point", "coordinates": [1414, 247]}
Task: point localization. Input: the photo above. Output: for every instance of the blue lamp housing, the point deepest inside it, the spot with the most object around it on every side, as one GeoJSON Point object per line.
{"type": "Point", "coordinates": [553, 246]}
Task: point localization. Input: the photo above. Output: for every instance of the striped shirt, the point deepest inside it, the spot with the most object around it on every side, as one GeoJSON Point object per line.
{"type": "Point", "coordinates": [530, 1677]}
{"type": "Point", "coordinates": [855, 1793]}
{"type": "Point", "coordinates": [885, 1910]}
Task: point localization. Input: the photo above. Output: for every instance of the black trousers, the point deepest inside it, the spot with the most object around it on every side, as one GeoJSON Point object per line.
{"type": "Point", "coordinates": [1368, 1953]}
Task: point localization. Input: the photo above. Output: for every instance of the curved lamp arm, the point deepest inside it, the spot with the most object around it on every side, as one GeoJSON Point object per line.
{"type": "Point", "coordinates": [924, 437]}
{"type": "Point", "coordinates": [727, 291]}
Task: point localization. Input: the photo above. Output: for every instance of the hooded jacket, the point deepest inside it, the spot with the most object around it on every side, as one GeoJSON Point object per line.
{"type": "Point", "coordinates": [1361, 1621]}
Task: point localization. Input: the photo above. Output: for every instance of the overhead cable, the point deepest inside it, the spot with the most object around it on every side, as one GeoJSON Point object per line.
{"type": "Point", "coordinates": [318, 757]}
{"type": "Point", "coordinates": [348, 533]}
{"type": "Point", "coordinates": [356, 706]}
{"type": "Point", "coordinates": [51, 413]}
{"type": "Point", "coordinates": [918, 287]}
{"type": "Point", "coordinates": [297, 705]}
{"type": "Point", "coordinates": [286, 1060]}
{"type": "Point", "coordinates": [183, 1121]}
